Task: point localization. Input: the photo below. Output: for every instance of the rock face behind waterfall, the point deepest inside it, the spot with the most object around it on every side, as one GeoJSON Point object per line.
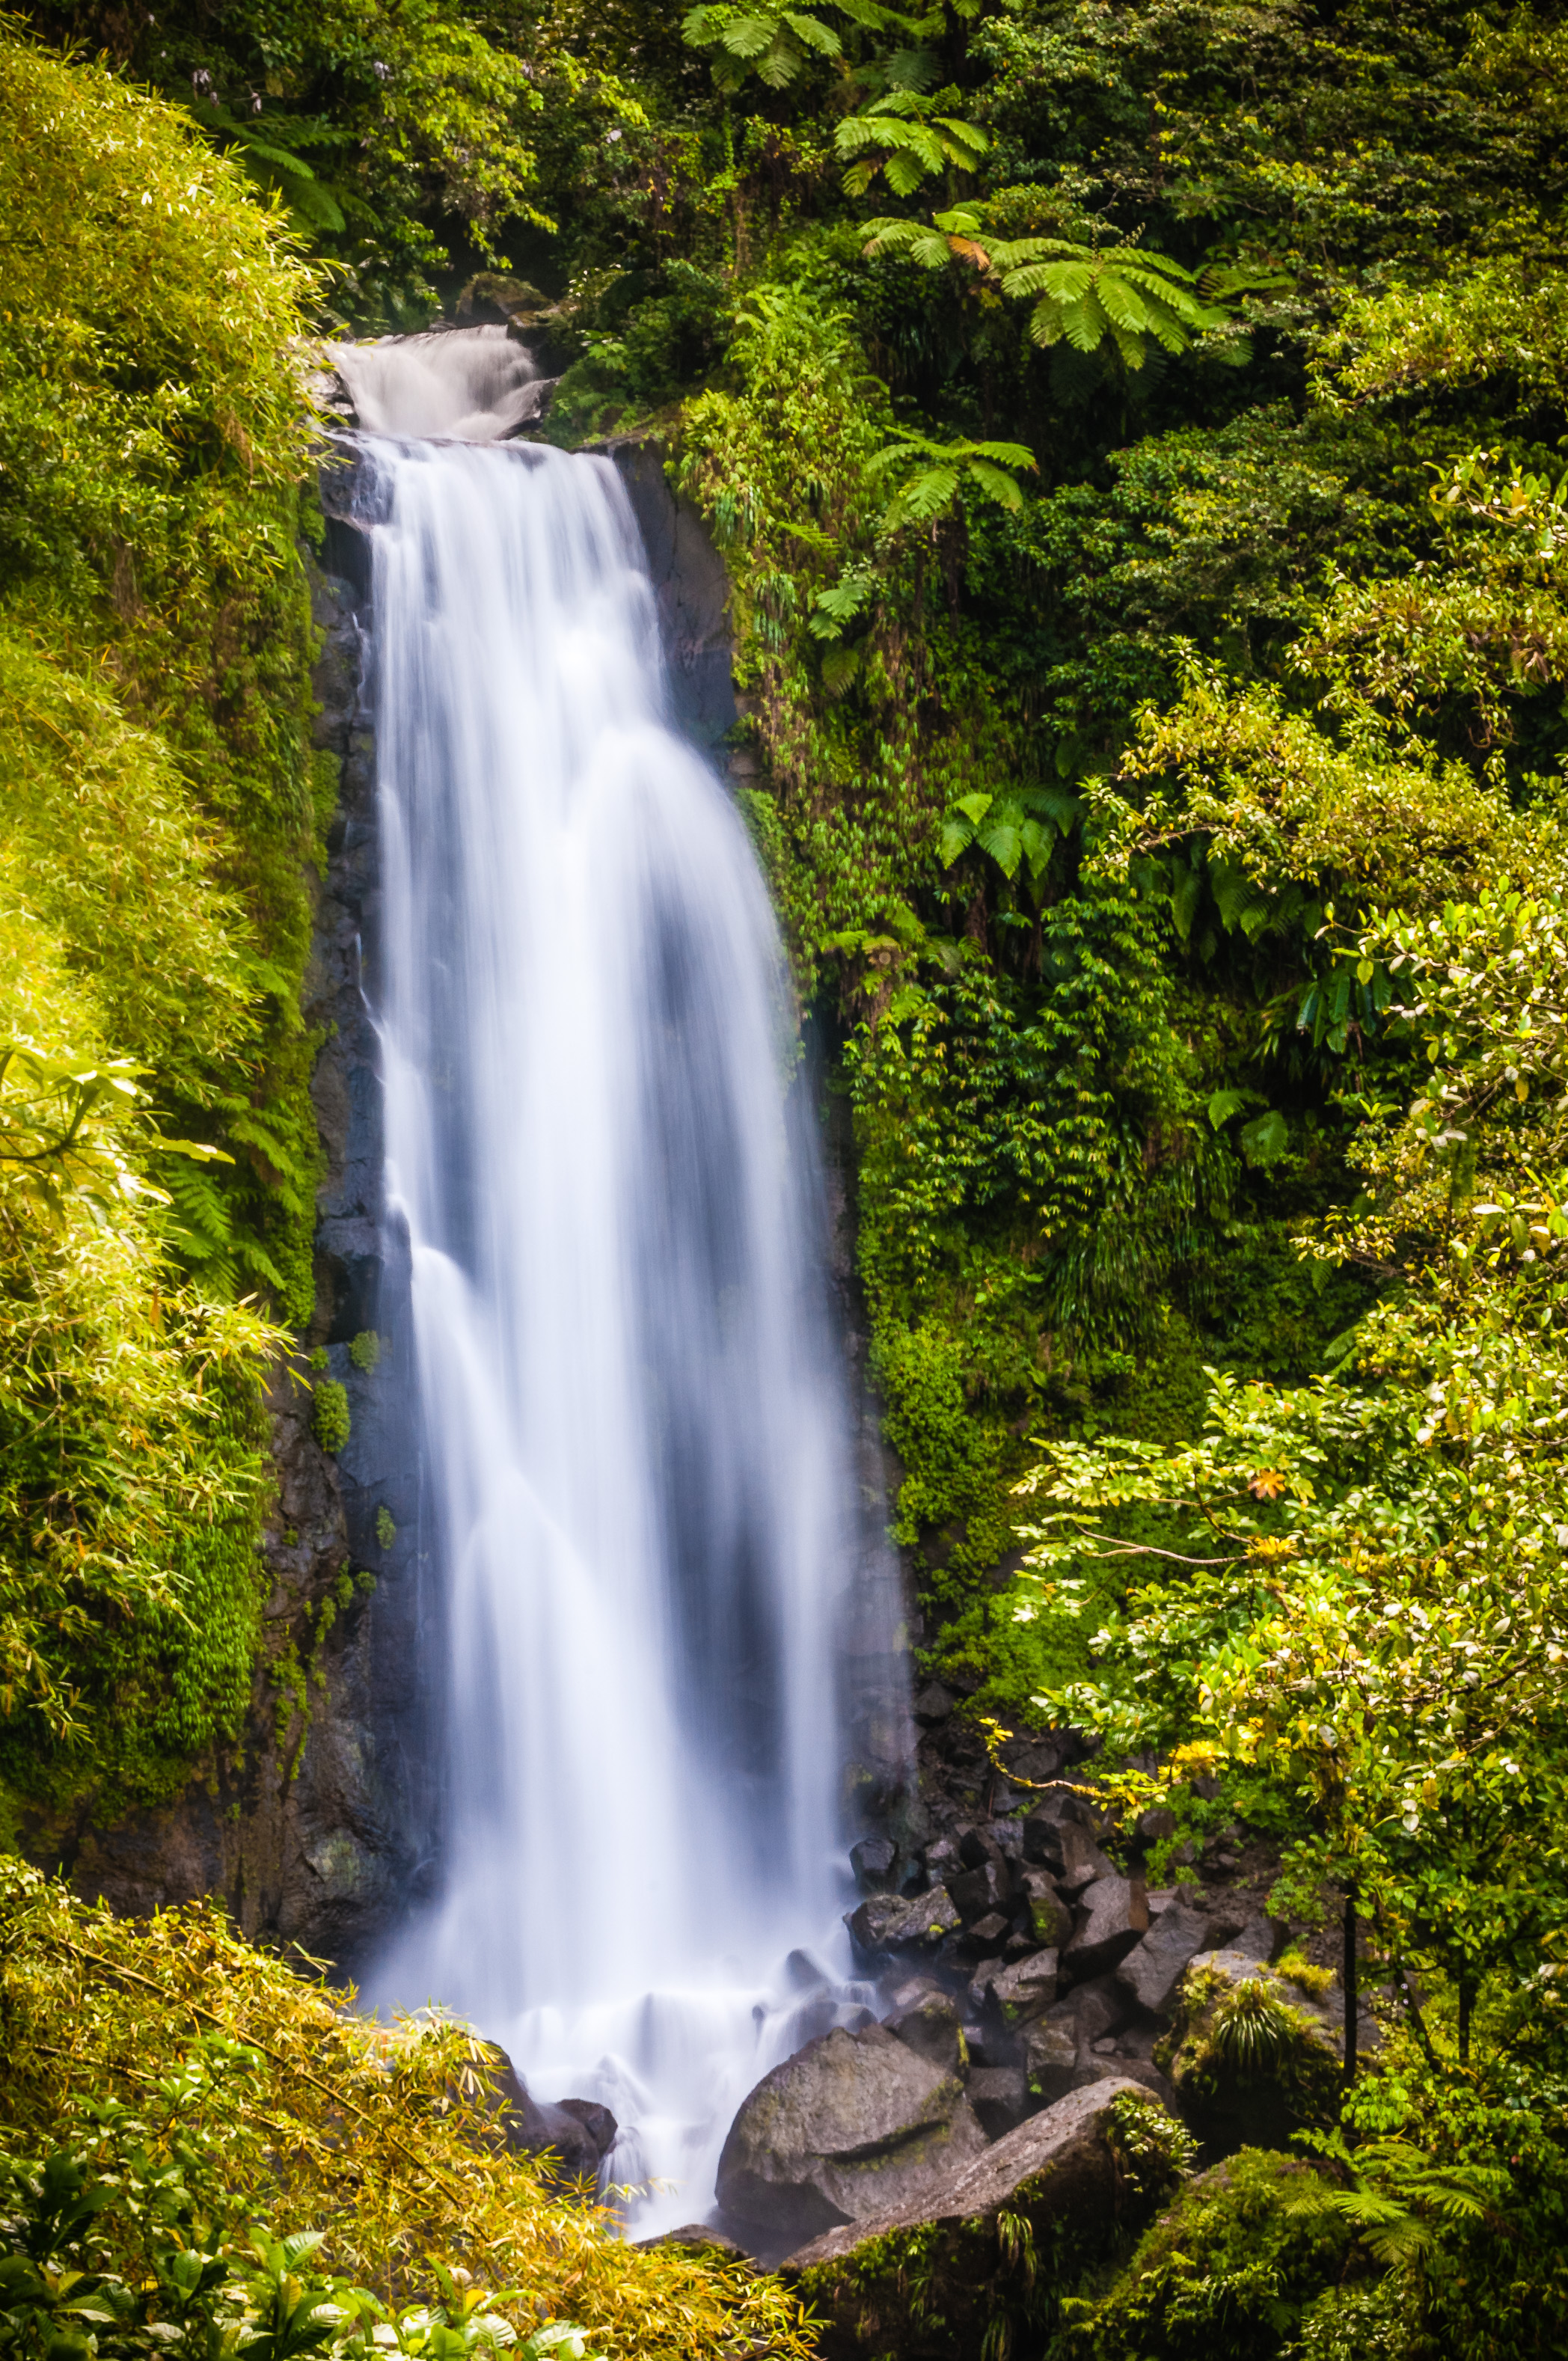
{"type": "Point", "coordinates": [853, 2124]}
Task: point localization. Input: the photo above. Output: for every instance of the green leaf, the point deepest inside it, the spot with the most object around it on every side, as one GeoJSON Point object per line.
{"type": "Point", "coordinates": [1266, 1139]}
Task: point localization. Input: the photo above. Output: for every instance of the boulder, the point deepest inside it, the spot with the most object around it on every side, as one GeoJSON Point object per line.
{"type": "Point", "coordinates": [1078, 1861]}
{"type": "Point", "coordinates": [1153, 1967]}
{"type": "Point", "coordinates": [929, 2025]}
{"type": "Point", "coordinates": [1254, 2091]}
{"type": "Point", "coordinates": [890, 1922]}
{"type": "Point", "coordinates": [853, 2125]}
{"type": "Point", "coordinates": [872, 1860]}
{"type": "Point", "coordinates": [1025, 1990]}
{"type": "Point", "coordinates": [943, 1860]}
{"type": "Point", "coordinates": [578, 2133]}
{"type": "Point", "coordinates": [1050, 1920]}
{"type": "Point", "coordinates": [982, 1892]}
{"type": "Point", "coordinates": [699, 2236]}
{"type": "Point", "coordinates": [1050, 2056]}
{"type": "Point", "coordinates": [999, 2097]}
{"type": "Point", "coordinates": [1059, 2054]}
{"type": "Point", "coordinates": [938, 2280]}
{"type": "Point", "coordinates": [1059, 1809]}
{"type": "Point", "coordinates": [1111, 1916]}
{"type": "Point", "coordinates": [933, 1704]}
{"type": "Point", "coordinates": [978, 1846]}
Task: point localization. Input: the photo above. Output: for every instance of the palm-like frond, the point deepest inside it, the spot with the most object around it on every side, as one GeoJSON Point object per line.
{"type": "Point", "coordinates": [775, 43]}
{"type": "Point", "coordinates": [931, 490]}
{"type": "Point", "coordinates": [1083, 296]}
{"type": "Point", "coordinates": [910, 140]}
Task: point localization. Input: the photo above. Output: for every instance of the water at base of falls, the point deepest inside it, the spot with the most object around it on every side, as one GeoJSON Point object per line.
{"type": "Point", "coordinates": [641, 1499]}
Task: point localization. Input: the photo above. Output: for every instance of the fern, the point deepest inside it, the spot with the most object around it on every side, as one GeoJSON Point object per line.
{"type": "Point", "coordinates": [910, 140]}
{"type": "Point", "coordinates": [1399, 2201]}
{"type": "Point", "coordinates": [940, 469]}
{"type": "Point", "coordinates": [1085, 296]}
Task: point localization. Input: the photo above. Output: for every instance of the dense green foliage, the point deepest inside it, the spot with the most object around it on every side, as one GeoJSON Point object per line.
{"type": "Point", "coordinates": [1133, 432]}
{"type": "Point", "coordinates": [156, 1147]}
{"type": "Point", "coordinates": [168, 2089]}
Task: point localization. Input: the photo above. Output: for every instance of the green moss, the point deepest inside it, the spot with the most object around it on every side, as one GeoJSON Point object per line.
{"type": "Point", "coordinates": [366, 1351]}
{"type": "Point", "coordinates": [329, 1414]}
{"type": "Point", "coordinates": [1304, 1974]}
{"type": "Point", "coordinates": [386, 1530]}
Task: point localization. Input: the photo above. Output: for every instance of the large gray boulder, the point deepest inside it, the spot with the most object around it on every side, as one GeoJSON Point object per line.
{"type": "Point", "coordinates": [1112, 1915]}
{"type": "Point", "coordinates": [1153, 1967]}
{"type": "Point", "coordinates": [853, 2125]}
{"type": "Point", "coordinates": [931, 2281]}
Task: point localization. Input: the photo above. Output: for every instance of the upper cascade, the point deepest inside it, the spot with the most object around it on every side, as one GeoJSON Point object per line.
{"type": "Point", "coordinates": [454, 385]}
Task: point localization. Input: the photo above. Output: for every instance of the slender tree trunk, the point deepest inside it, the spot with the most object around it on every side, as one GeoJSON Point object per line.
{"type": "Point", "coordinates": [1352, 1995]}
{"type": "Point", "coordinates": [1467, 2003]}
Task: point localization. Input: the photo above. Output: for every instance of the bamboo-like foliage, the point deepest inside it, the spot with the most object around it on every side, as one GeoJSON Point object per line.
{"type": "Point", "coordinates": [385, 2138]}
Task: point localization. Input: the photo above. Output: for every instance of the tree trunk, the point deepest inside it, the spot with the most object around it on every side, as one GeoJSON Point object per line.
{"type": "Point", "coordinates": [1352, 1995]}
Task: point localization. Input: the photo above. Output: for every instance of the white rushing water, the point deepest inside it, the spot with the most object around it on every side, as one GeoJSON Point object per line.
{"type": "Point", "coordinates": [640, 1488]}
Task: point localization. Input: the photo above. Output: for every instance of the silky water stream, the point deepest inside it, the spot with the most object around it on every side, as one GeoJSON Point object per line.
{"type": "Point", "coordinates": [642, 1505]}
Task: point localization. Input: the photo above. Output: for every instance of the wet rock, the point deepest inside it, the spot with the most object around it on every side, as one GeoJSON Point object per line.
{"type": "Point", "coordinates": [999, 2097]}
{"type": "Point", "coordinates": [1025, 1990]}
{"type": "Point", "coordinates": [1060, 2048]}
{"type": "Point", "coordinates": [699, 2236]}
{"type": "Point", "coordinates": [576, 2133]}
{"type": "Point", "coordinates": [936, 2278]}
{"type": "Point", "coordinates": [1061, 1808]}
{"type": "Point", "coordinates": [982, 1892]}
{"type": "Point", "coordinates": [1077, 1860]}
{"type": "Point", "coordinates": [929, 2027]}
{"type": "Point", "coordinates": [853, 2124]}
{"type": "Point", "coordinates": [1111, 1918]}
{"type": "Point", "coordinates": [943, 1860]}
{"type": "Point", "coordinates": [980, 1985]}
{"type": "Point", "coordinates": [987, 1935]}
{"type": "Point", "coordinates": [596, 2120]}
{"type": "Point", "coordinates": [933, 1704]}
{"type": "Point", "coordinates": [978, 1846]}
{"type": "Point", "coordinates": [873, 1861]}
{"type": "Point", "coordinates": [1050, 2056]}
{"type": "Point", "coordinates": [1153, 1967]}
{"type": "Point", "coordinates": [887, 1923]}
{"type": "Point", "coordinates": [1050, 1920]}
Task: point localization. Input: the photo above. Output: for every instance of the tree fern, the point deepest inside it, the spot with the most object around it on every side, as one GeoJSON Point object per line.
{"type": "Point", "coordinates": [1082, 295]}
{"type": "Point", "coordinates": [902, 135]}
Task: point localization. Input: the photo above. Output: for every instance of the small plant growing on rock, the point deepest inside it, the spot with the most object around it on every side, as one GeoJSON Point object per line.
{"type": "Point", "coordinates": [1246, 2061]}
{"type": "Point", "coordinates": [329, 1414]}
{"type": "Point", "coordinates": [365, 1350]}
{"type": "Point", "coordinates": [1298, 1970]}
{"type": "Point", "coordinates": [386, 1530]}
{"type": "Point", "coordinates": [1155, 2152]}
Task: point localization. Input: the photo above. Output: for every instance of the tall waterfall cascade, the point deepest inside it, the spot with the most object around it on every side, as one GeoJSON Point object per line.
{"type": "Point", "coordinates": [641, 1509]}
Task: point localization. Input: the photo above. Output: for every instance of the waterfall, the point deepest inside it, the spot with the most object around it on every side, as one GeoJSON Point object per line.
{"type": "Point", "coordinates": [642, 1501]}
